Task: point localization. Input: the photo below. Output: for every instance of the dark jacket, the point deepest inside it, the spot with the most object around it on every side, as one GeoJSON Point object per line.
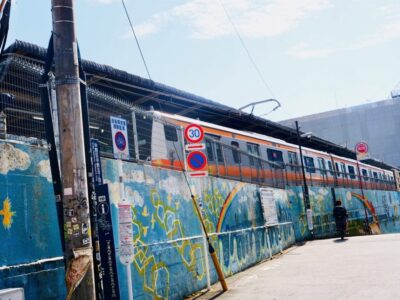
{"type": "Point", "coordinates": [340, 214]}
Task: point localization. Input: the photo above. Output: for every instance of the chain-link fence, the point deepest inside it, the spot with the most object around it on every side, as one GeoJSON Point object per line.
{"type": "Point", "coordinates": [20, 101]}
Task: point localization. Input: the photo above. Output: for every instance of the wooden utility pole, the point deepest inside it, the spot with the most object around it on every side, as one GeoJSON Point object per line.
{"type": "Point", "coordinates": [78, 245]}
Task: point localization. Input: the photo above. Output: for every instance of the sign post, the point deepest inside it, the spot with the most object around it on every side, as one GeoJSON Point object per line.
{"type": "Point", "coordinates": [119, 131]}
{"type": "Point", "coordinates": [196, 162]}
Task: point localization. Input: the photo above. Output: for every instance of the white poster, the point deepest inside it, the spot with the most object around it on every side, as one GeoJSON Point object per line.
{"type": "Point", "coordinates": [119, 131]}
{"type": "Point", "coordinates": [269, 206]}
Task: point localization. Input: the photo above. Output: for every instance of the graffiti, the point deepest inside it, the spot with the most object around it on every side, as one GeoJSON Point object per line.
{"type": "Point", "coordinates": [169, 257]}
{"type": "Point", "coordinates": [227, 204]}
{"type": "Point", "coordinates": [374, 227]}
{"type": "Point", "coordinates": [7, 214]}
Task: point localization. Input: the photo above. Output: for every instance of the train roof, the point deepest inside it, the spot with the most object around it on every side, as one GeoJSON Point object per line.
{"type": "Point", "coordinates": [147, 93]}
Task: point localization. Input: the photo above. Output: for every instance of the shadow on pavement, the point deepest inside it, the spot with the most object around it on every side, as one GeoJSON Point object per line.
{"type": "Point", "coordinates": [340, 240]}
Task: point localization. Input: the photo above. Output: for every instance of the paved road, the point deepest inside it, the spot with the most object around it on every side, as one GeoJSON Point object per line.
{"type": "Point", "coordinates": [365, 267]}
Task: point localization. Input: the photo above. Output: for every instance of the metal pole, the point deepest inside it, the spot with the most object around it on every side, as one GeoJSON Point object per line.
{"type": "Point", "coordinates": [367, 228]}
{"type": "Point", "coordinates": [211, 249]}
{"type": "Point", "coordinates": [78, 244]}
{"type": "Point", "coordinates": [305, 187]}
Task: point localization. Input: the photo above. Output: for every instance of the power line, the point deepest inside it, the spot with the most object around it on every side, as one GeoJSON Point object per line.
{"type": "Point", "coordinates": [246, 49]}
{"type": "Point", "coordinates": [136, 39]}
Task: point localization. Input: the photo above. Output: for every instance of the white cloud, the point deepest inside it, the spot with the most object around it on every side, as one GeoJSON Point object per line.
{"type": "Point", "coordinates": [12, 158]}
{"type": "Point", "coordinates": [134, 197]}
{"type": "Point", "coordinates": [44, 169]}
{"type": "Point", "coordinates": [206, 19]}
{"type": "Point", "coordinates": [388, 31]}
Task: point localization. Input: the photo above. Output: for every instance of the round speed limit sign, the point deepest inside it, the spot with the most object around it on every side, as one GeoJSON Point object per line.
{"type": "Point", "coordinates": [194, 133]}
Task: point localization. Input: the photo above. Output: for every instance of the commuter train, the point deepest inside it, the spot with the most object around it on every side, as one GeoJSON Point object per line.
{"type": "Point", "coordinates": [254, 157]}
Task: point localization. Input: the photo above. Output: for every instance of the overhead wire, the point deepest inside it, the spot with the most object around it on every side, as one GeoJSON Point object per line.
{"type": "Point", "coordinates": [245, 48]}
{"type": "Point", "coordinates": [136, 39]}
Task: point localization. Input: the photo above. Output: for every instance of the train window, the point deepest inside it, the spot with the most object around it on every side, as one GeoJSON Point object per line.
{"type": "Point", "coordinates": [337, 169]}
{"type": "Point", "coordinates": [209, 150]}
{"type": "Point", "coordinates": [343, 170]}
{"type": "Point", "coordinates": [144, 125]}
{"type": "Point", "coordinates": [375, 176]}
{"type": "Point", "coordinates": [293, 160]}
{"type": "Point", "coordinates": [235, 152]}
{"type": "Point", "coordinates": [254, 150]}
{"type": "Point", "coordinates": [370, 174]}
{"type": "Point", "coordinates": [321, 165]}
{"type": "Point", "coordinates": [275, 156]}
{"type": "Point", "coordinates": [218, 148]}
{"type": "Point", "coordinates": [365, 174]}
{"type": "Point", "coordinates": [170, 133]}
{"type": "Point", "coordinates": [352, 172]}
{"type": "Point", "coordinates": [309, 162]}
{"type": "Point", "coordinates": [330, 167]}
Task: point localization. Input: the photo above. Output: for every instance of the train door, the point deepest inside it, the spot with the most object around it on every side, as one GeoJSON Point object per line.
{"type": "Point", "coordinates": [309, 165]}
{"type": "Point", "coordinates": [254, 161]}
{"type": "Point", "coordinates": [294, 170]}
{"type": "Point", "coordinates": [277, 167]}
{"type": "Point", "coordinates": [216, 161]}
{"type": "Point", "coordinates": [322, 171]}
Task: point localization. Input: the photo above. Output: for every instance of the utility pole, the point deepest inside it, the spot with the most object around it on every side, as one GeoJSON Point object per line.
{"type": "Point", "coordinates": [78, 245]}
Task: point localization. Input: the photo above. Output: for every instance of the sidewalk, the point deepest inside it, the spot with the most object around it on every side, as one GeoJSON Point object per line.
{"type": "Point", "coordinates": [366, 267]}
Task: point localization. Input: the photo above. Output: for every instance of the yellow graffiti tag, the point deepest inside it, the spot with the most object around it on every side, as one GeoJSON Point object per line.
{"type": "Point", "coordinates": [7, 213]}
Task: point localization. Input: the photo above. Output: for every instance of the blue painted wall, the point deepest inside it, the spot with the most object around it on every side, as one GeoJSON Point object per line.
{"type": "Point", "coordinates": [170, 258]}
{"type": "Point", "coordinates": [30, 252]}
{"type": "Point", "coordinates": [169, 255]}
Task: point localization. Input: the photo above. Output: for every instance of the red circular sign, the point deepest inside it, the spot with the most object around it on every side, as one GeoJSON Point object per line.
{"type": "Point", "coordinates": [362, 147]}
{"type": "Point", "coordinates": [197, 160]}
{"type": "Point", "coordinates": [194, 133]}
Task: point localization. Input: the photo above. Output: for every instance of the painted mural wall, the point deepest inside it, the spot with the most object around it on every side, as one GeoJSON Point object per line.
{"type": "Point", "coordinates": [170, 259]}
{"type": "Point", "coordinates": [30, 251]}
{"type": "Point", "coordinates": [380, 208]}
{"type": "Point", "coordinates": [170, 255]}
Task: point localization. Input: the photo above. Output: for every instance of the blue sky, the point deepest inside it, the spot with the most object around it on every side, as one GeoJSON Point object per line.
{"type": "Point", "coordinates": [315, 55]}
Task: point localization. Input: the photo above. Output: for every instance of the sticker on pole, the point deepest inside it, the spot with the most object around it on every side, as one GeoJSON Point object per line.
{"type": "Point", "coordinates": [119, 131]}
{"type": "Point", "coordinates": [194, 133]}
{"type": "Point", "coordinates": [196, 160]}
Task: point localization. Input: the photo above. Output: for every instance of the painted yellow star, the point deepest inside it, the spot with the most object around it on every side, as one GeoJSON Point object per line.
{"type": "Point", "coordinates": [7, 213]}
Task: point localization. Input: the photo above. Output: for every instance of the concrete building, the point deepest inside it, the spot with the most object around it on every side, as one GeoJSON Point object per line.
{"type": "Point", "coordinates": [375, 123]}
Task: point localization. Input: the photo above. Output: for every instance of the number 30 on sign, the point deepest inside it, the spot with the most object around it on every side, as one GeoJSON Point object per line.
{"type": "Point", "coordinates": [194, 133]}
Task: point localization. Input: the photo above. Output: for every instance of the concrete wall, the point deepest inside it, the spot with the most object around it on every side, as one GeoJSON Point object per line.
{"type": "Point", "coordinates": [170, 259]}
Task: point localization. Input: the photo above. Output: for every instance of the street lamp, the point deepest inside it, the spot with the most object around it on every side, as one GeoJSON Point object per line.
{"type": "Point", "coordinates": [306, 196]}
